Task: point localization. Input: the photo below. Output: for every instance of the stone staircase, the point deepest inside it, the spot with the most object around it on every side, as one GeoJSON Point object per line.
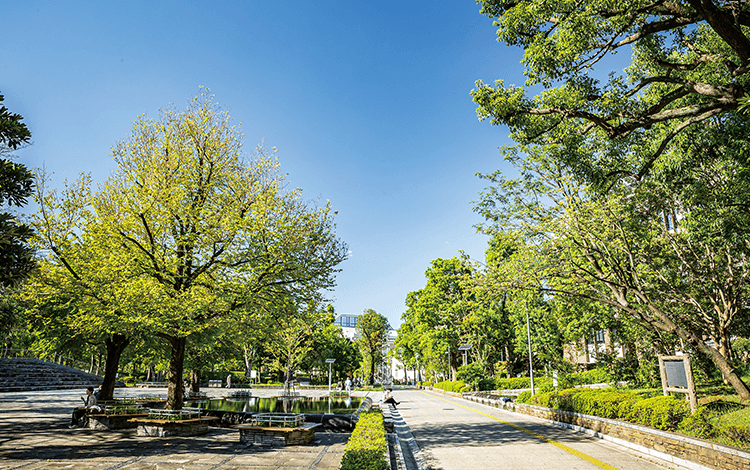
{"type": "Point", "coordinates": [22, 374]}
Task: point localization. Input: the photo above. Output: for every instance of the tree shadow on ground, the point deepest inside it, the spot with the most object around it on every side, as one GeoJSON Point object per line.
{"type": "Point", "coordinates": [75, 444]}
{"type": "Point", "coordinates": [484, 434]}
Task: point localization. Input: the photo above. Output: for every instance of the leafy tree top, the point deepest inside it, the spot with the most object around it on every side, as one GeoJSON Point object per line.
{"type": "Point", "coordinates": [689, 63]}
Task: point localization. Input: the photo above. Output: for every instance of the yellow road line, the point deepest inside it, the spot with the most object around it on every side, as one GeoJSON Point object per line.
{"type": "Point", "coordinates": [559, 445]}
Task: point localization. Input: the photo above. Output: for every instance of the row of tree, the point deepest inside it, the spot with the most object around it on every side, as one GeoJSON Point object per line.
{"type": "Point", "coordinates": [630, 211]}
{"type": "Point", "coordinates": [189, 245]}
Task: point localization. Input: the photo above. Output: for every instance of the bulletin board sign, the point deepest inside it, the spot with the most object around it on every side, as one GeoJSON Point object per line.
{"type": "Point", "coordinates": [677, 377]}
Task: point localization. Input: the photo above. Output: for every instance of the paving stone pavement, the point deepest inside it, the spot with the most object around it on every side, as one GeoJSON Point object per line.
{"type": "Point", "coordinates": [34, 434]}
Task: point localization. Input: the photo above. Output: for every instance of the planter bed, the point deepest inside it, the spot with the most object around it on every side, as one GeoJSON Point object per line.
{"type": "Point", "coordinates": [276, 436]}
{"type": "Point", "coordinates": [113, 421]}
{"type": "Point", "coordinates": [167, 427]}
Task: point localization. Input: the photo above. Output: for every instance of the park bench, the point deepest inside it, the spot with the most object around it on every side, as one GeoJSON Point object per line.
{"type": "Point", "coordinates": [215, 383]}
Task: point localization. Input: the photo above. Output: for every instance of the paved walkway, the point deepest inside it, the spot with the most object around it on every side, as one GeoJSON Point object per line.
{"type": "Point", "coordinates": [34, 434]}
{"type": "Point", "coordinates": [455, 434]}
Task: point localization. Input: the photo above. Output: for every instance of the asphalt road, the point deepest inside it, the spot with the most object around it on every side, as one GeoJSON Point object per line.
{"type": "Point", "coordinates": [455, 434]}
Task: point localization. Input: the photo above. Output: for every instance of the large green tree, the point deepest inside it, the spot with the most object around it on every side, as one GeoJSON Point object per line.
{"type": "Point", "coordinates": [16, 185]}
{"type": "Point", "coordinates": [198, 234]}
{"type": "Point", "coordinates": [689, 64]}
{"type": "Point", "coordinates": [371, 336]}
{"type": "Point", "coordinates": [628, 250]}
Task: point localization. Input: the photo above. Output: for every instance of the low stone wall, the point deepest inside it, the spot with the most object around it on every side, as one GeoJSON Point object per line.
{"type": "Point", "coordinates": [255, 435]}
{"type": "Point", "coordinates": [165, 428]}
{"type": "Point", "coordinates": [102, 421]}
{"type": "Point", "coordinates": [682, 450]}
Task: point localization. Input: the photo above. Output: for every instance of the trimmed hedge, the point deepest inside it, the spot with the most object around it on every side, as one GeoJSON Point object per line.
{"type": "Point", "coordinates": [456, 386]}
{"type": "Point", "coordinates": [514, 383]}
{"type": "Point", "coordinates": [367, 445]}
{"type": "Point", "coordinates": [658, 412]}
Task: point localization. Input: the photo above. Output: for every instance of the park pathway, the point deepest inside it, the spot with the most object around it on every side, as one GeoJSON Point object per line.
{"type": "Point", "coordinates": [455, 434]}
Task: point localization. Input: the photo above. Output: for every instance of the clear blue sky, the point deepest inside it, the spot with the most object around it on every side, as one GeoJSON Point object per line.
{"type": "Point", "coordinates": [367, 102]}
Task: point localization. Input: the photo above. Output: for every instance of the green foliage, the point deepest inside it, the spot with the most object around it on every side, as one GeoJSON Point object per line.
{"type": "Point", "coordinates": [187, 237]}
{"type": "Point", "coordinates": [741, 347]}
{"type": "Point", "coordinates": [698, 424]}
{"type": "Point", "coordinates": [456, 386]}
{"type": "Point", "coordinates": [524, 397]}
{"type": "Point", "coordinates": [640, 110]}
{"type": "Point", "coordinates": [629, 186]}
{"type": "Point", "coordinates": [371, 335]}
{"type": "Point", "coordinates": [659, 412]}
{"type": "Point", "coordinates": [367, 445]}
{"type": "Point", "coordinates": [593, 376]}
{"type": "Point", "coordinates": [474, 376]}
{"type": "Point", "coordinates": [16, 185]}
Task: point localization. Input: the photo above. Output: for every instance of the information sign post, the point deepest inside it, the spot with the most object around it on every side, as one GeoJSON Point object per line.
{"type": "Point", "coordinates": [677, 376]}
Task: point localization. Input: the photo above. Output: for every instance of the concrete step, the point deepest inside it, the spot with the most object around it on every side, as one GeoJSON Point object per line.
{"type": "Point", "coordinates": [21, 374]}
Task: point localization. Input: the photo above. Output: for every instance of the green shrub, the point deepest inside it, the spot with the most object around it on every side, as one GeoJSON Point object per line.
{"type": "Point", "coordinates": [524, 397]}
{"type": "Point", "coordinates": [736, 433]}
{"type": "Point", "coordinates": [450, 385]}
{"type": "Point", "coordinates": [522, 382]}
{"type": "Point", "coordinates": [659, 412]}
{"type": "Point", "coordinates": [366, 447]}
{"type": "Point", "coordinates": [513, 383]}
{"type": "Point", "coordinates": [698, 424]}
{"type": "Point", "coordinates": [593, 376]}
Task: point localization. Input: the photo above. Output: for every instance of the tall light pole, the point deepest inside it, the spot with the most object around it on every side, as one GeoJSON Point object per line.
{"type": "Point", "coordinates": [329, 362]}
{"type": "Point", "coordinates": [528, 335]}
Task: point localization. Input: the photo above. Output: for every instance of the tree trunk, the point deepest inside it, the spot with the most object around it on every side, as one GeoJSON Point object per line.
{"type": "Point", "coordinates": [249, 359]}
{"type": "Point", "coordinates": [175, 391]}
{"type": "Point", "coordinates": [151, 374]}
{"type": "Point", "coordinates": [371, 373]}
{"type": "Point", "coordinates": [115, 345]}
{"type": "Point", "coordinates": [454, 367]}
{"type": "Point", "coordinates": [727, 371]}
{"type": "Point", "coordinates": [195, 381]}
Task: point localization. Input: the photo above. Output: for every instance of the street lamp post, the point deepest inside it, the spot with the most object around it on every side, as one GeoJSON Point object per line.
{"type": "Point", "coordinates": [329, 362]}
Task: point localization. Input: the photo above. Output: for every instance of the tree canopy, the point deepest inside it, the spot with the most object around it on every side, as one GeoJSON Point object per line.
{"type": "Point", "coordinates": [371, 336]}
{"type": "Point", "coordinates": [189, 233]}
{"type": "Point", "coordinates": [16, 185]}
{"type": "Point", "coordinates": [689, 64]}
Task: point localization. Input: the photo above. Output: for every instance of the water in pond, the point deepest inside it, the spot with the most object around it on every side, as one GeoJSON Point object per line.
{"type": "Point", "coordinates": [306, 405]}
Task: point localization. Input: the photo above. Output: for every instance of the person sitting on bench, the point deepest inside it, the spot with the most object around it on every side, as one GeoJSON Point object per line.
{"type": "Point", "coordinates": [388, 398]}
{"type": "Point", "coordinates": [88, 403]}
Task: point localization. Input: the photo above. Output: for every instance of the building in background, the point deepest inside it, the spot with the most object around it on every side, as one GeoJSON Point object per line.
{"type": "Point", "coordinates": [391, 368]}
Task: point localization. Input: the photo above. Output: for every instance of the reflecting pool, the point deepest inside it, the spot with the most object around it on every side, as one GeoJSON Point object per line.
{"type": "Point", "coordinates": [305, 405]}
